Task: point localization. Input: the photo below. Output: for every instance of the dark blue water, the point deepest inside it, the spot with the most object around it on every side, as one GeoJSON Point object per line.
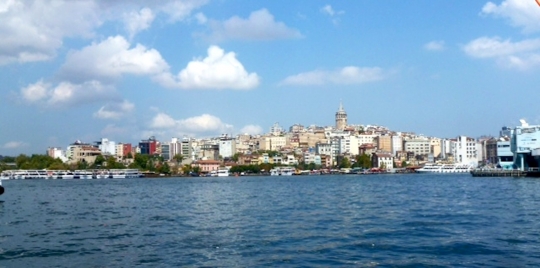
{"type": "Point", "coordinates": [313, 221]}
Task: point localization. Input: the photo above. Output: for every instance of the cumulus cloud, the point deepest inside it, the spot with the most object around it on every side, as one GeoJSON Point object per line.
{"type": "Point", "coordinates": [203, 124]}
{"type": "Point", "coordinates": [349, 75]}
{"type": "Point", "coordinates": [14, 145]}
{"type": "Point", "coordinates": [519, 13]}
{"type": "Point", "coordinates": [138, 21]}
{"type": "Point", "coordinates": [111, 59]}
{"type": "Point", "coordinates": [115, 110]}
{"type": "Point", "coordinates": [252, 130]}
{"type": "Point", "coordinates": [33, 30]}
{"type": "Point", "coordinates": [66, 94]}
{"type": "Point", "coordinates": [435, 46]}
{"type": "Point", "coordinates": [219, 70]}
{"type": "Point", "coordinates": [260, 26]}
{"type": "Point", "coordinates": [522, 55]}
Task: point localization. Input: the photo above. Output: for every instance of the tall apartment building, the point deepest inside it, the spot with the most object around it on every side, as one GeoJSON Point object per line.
{"type": "Point", "coordinates": [466, 151]}
{"type": "Point", "coordinates": [227, 146]}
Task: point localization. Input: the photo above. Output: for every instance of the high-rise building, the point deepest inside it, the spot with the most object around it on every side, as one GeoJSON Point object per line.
{"type": "Point", "coordinates": [341, 118]}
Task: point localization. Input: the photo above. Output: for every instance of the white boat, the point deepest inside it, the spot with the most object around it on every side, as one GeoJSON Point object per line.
{"type": "Point", "coordinates": [133, 173]}
{"type": "Point", "coordinates": [1, 188]}
{"type": "Point", "coordinates": [82, 174]}
{"type": "Point", "coordinates": [6, 175]}
{"type": "Point", "coordinates": [282, 171]}
{"type": "Point", "coordinates": [223, 172]}
{"type": "Point", "coordinates": [445, 168]}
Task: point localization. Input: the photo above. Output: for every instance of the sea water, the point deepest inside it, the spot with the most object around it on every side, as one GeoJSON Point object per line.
{"type": "Point", "coordinates": [414, 220]}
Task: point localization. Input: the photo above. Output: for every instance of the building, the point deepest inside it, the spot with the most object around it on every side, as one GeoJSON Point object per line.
{"type": "Point", "coordinates": [107, 147]}
{"type": "Point", "coordinates": [525, 144]}
{"type": "Point", "coordinates": [149, 146]}
{"type": "Point", "coordinates": [227, 146]}
{"type": "Point", "coordinates": [505, 156]}
{"type": "Point", "coordinates": [384, 143]}
{"type": "Point", "coordinates": [56, 152]}
{"type": "Point", "coordinates": [396, 144]}
{"type": "Point", "coordinates": [466, 151]}
{"type": "Point", "coordinates": [418, 146]}
{"type": "Point", "coordinates": [382, 160]}
{"type": "Point", "coordinates": [341, 118]}
{"type": "Point", "coordinates": [206, 166]}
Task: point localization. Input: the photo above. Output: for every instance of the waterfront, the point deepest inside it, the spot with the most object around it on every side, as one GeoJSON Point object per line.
{"type": "Point", "coordinates": [446, 220]}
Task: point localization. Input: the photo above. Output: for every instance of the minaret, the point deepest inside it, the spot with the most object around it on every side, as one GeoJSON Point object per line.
{"type": "Point", "coordinates": [341, 118]}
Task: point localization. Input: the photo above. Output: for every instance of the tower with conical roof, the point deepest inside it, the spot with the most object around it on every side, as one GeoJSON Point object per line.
{"type": "Point", "coordinates": [341, 118]}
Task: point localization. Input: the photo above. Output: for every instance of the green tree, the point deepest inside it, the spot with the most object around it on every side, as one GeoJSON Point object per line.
{"type": "Point", "coordinates": [364, 161]}
{"type": "Point", "coordinates": [99, 161]}
{"type": "Point", "coordinates": [344, 163]}
{"type": "Point", "coordinates": [404, 164]}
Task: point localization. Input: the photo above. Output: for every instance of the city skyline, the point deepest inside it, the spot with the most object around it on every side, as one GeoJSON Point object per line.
{"type": "Point", "coordinates": [83, 70]}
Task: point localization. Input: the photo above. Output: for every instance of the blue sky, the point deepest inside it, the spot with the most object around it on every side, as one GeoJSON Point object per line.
{"type": "Point", "coordinates": [125, 70]}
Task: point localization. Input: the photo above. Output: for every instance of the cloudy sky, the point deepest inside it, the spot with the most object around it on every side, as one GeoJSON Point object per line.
{"type": "Point", "coordinates": [125, 70]}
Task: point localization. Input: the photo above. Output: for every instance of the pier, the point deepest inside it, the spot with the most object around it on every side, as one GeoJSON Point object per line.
{"type": "Point", "coordinates": [498, 173]}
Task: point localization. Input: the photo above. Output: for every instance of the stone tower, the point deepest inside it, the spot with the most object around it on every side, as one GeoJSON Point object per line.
{"type": "Point", "coordinates": [341, 118]}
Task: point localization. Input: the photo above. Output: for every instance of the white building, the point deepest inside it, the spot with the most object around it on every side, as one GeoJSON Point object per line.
{"type": "Point", "coordinates": [466, 151]}
{"type": "Point", "coordinates": [396, 144]}
{"type": "Point", "coordinates": [107, 147]}
{"type": "Point", "coordinates": [227, 147]}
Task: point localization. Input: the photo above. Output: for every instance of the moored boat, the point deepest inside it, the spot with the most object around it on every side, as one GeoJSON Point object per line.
{"type": "Point", "coordinates": [445, 168]}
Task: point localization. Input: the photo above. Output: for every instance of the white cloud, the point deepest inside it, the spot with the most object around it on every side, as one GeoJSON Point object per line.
{"type": "Point", "coordinates": [138, 21]}
{"type": "Point", "coordinates": [33, 30]}
{"type": "Point", "coordinates": [219, 70]}
{"type": "Point", "coordinates": [522, 55]}
{"type": "Point", "coordinates": [520, 13]}
{"type": "Point", "coordinates": [252, 130]}
{"type": "Point", "coordinates": [66, 94]}
{"type": "Point", "coordinates": [201, 18]}
{"type": "Point", "coordinates": [110, 59]}
{"type": "Point", "coordinates": [203, 124]}
{"type": "Point", "coordinates": [35, 92]}
{"type": "Point", "coordinates": [345, 76]}
{"type": "Point", "coordinates": [259, 26]}
{"type": "Point", "coordinates": [329, 10]}
{"type": "Point", "coordinates": [14, 145]}
{"type": "Point", "coordinates": [115, 110]}
{"type": "Point", "coordinates": [435, 46]}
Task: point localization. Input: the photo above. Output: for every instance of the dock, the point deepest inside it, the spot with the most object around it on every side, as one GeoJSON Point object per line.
{"type": "Point", "coordinates": [498, 173]}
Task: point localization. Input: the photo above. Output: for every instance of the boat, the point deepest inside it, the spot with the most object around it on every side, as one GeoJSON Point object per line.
{"type": "Point", "coordinates": [282, 171]}
{"type": "Point", "coordinates": [1, 188]}
{"type": "Point", "coordinates": [223, 172]}
{"type": "Point", "coordinates": [445, 168]}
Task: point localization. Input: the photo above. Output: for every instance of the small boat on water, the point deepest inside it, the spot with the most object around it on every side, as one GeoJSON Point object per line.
{"type": "Point", "coordinates": [1, 188]}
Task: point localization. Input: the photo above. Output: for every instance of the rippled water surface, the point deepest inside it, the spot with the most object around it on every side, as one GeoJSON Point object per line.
{"type": "Point", "coordinates": [305, 221]}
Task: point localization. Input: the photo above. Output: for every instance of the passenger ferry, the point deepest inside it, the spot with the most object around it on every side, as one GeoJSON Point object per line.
{"type": "Point", "coordinates": [223, 172]}
{"type": "Point", "coordinates": [282, 171]}
{"type": "Point", "coordinates": [445, 168]}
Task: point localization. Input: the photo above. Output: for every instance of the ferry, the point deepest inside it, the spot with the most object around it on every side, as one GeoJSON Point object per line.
{"type": "Point", "coordinates": [445, 168]}
{"type": "Point", "coordinates": [283, 171]}
{"type": "Point", "coordinates": [223, 172]}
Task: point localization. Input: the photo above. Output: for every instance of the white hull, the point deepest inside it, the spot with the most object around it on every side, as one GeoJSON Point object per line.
{"type": "Point", "coordinates": [281, 172]}
{"type": "Point", "coordinates": [445, 168]}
